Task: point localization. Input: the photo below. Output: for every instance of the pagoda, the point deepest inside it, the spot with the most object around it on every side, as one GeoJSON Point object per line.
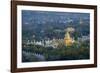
{"type": "Point", "coordinates": [67, 39]}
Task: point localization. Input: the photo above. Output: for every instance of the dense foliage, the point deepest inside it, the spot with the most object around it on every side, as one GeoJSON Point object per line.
{"type": "Point", "coordinates": [74, 52]}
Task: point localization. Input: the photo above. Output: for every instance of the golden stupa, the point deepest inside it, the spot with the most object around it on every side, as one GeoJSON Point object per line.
{"type": "Point", "coordinates": [67, 39]}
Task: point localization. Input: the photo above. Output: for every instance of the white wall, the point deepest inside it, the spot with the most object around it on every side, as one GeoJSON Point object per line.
{"type": "Point", "coordinates": [5, 36]}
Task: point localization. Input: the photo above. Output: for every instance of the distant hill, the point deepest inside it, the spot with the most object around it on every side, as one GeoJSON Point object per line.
{"type": "Point", "coordinates": [44, 24]}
